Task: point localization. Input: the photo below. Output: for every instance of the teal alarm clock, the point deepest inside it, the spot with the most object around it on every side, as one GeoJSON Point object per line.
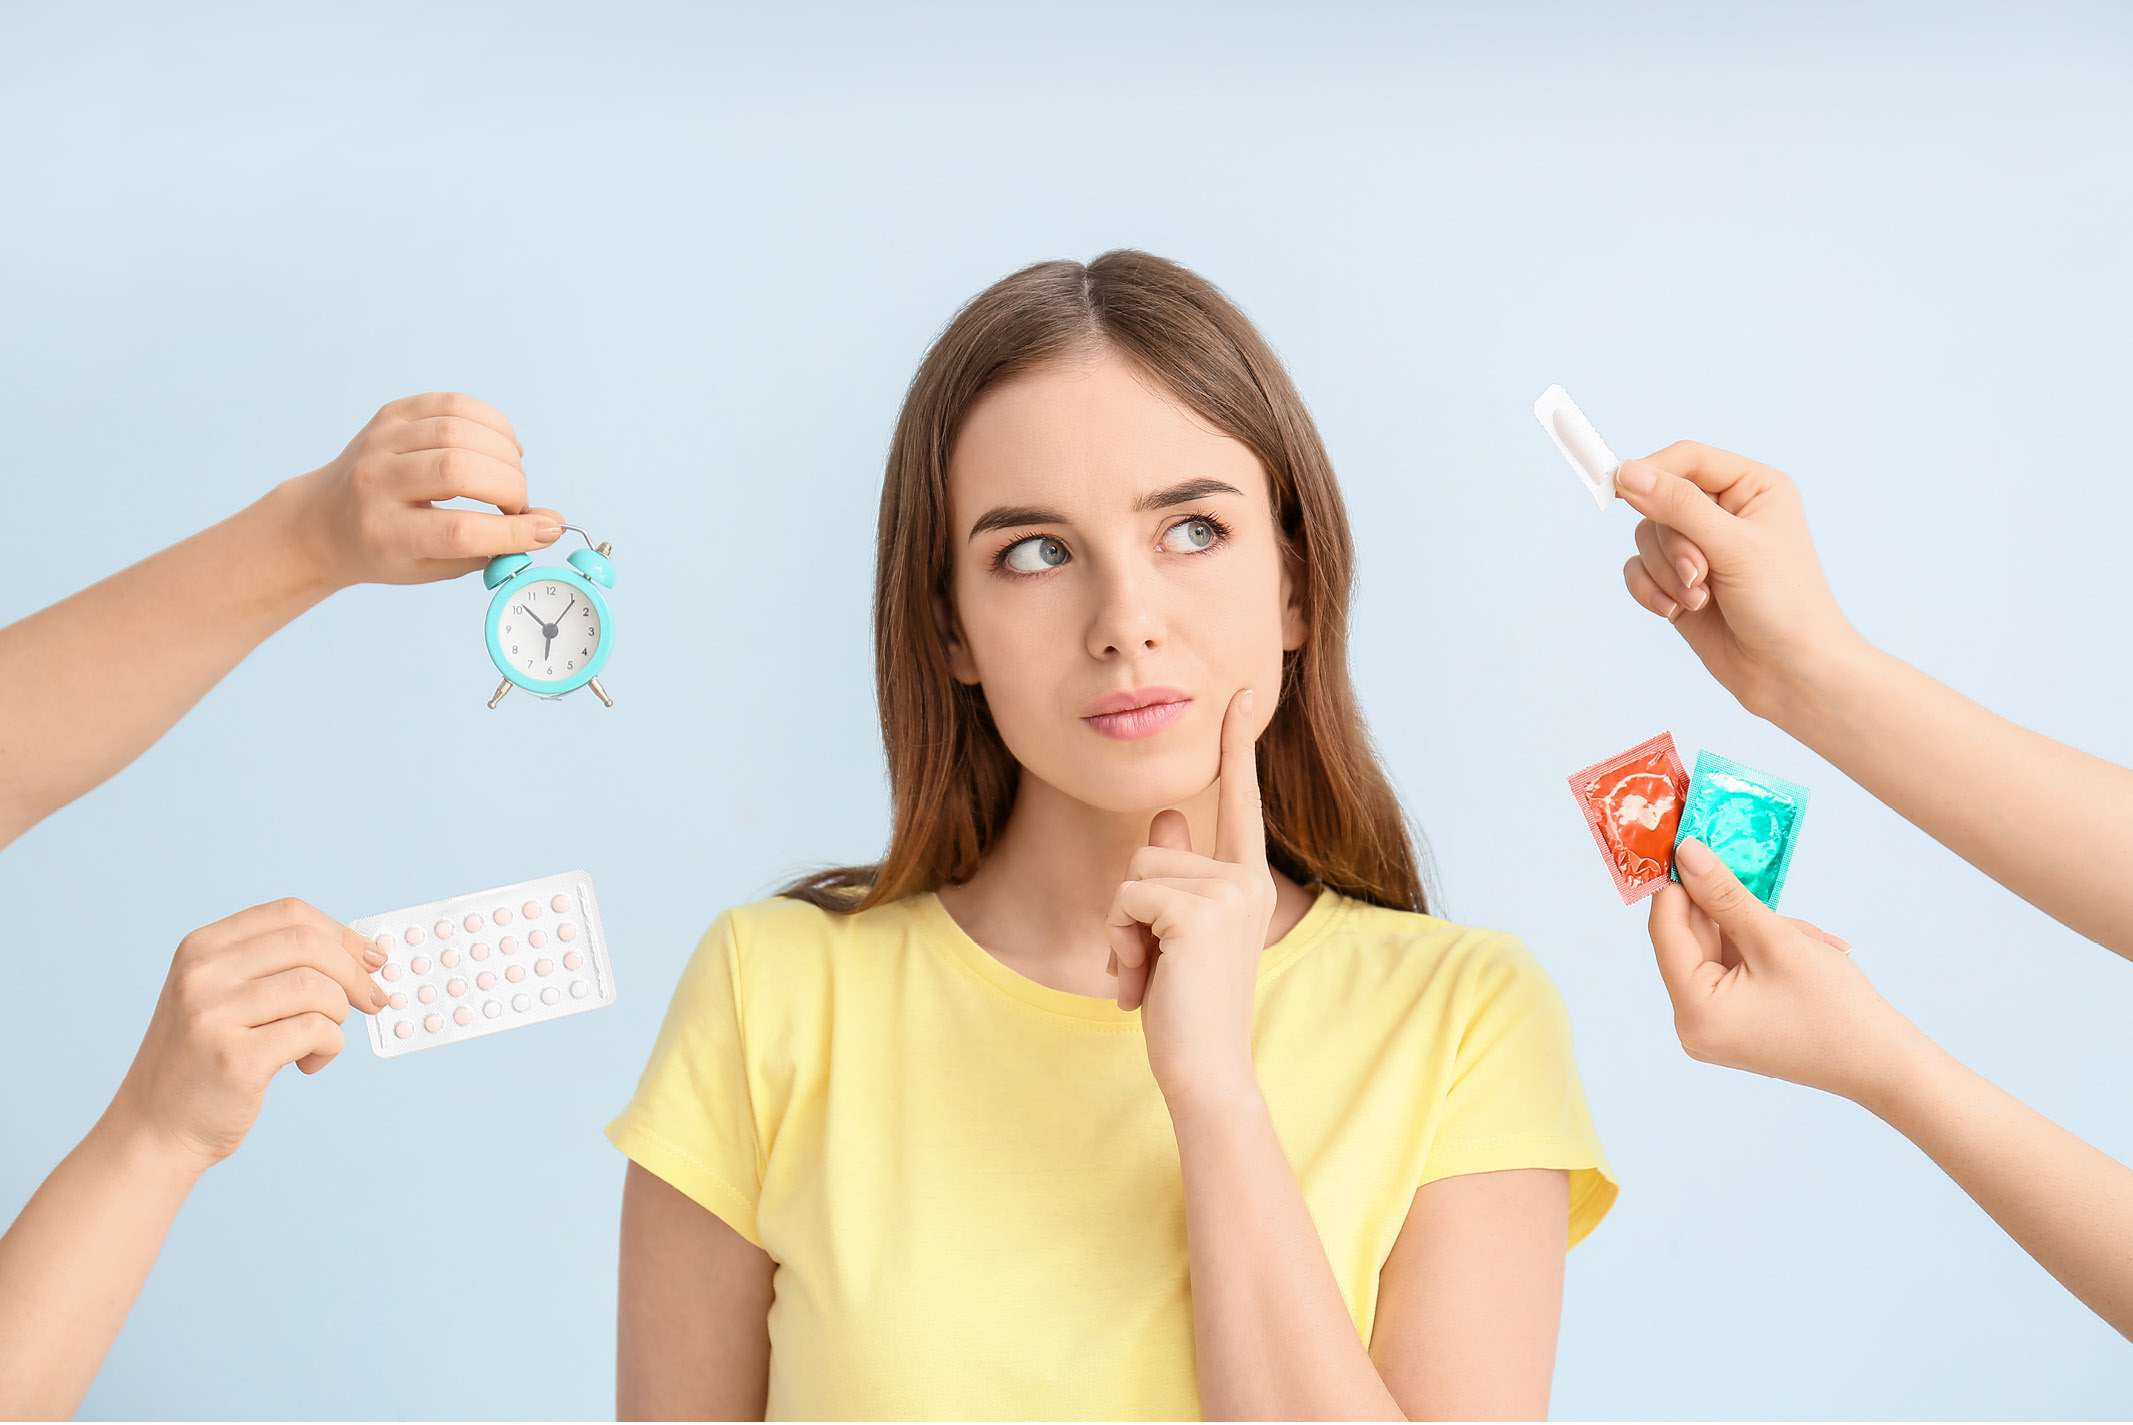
{"type": "Point", "coordinates": [548, 627]}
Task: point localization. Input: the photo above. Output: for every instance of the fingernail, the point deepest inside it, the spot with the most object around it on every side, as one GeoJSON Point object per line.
{"type": "Point", "coordinates": [1672, 609]}
{"type": "Point", "coordinates": [1247, 702]}
{"type": "Point", "coordinates": [1636, 477]}
{"type": "Point", "coordinates": [1687, 566]}
{"type": "Point", "coordinates": [374, 958]}
{"type": "Point", "coordinates": [1112, 968]}
{"type": "Point", "coordinates": [546, 533]}
{"type": "Point", "coordinates": [1844, 945]}
{"type": "Point", "coordinates": [1694, 857]}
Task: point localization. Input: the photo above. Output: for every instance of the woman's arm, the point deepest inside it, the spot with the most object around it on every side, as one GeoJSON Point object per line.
{"type": "Point", "coordinates": [1755, 991]}
{"type": "Point", "coordinates": [1271, 1335]}
{"type": "Point", "coordinates": [692, 1337]}
{"type": "Point", "coordinates": [1470, 1300]}
{"type": "Point", "coordinates": [95, 679]}
{"type": "Point", "coordinates": [265, 987]}
{"type": "Point", "coordinates": [1725, 553]}
{"type": "Point", "coordinates": [1468, 1304]}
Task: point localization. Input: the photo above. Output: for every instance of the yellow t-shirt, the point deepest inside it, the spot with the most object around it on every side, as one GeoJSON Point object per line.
{"type": "Point", "coordinates": [969, 1182]}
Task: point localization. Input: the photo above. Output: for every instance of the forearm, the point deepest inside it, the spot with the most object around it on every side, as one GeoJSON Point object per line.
{"type": "Point", "coordinates": [1271, 1334]}
{"type": "Point", "coordinates": [2052, 824]}
{"type": "Point", "coordinates": [95, 679]}
{"type": "Point", "coordinates": [73, 1262]}
{"type": "Point", "coordinates": [2068, 1205]}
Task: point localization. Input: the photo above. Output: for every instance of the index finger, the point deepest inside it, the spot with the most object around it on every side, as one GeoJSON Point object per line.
{"type": "Point", "coordinates": [259, 920]}
{"type": "Point", "coordinates": [1688, 960]}
{"type": "Point", "coordinates": [1240, 820]}
{"type": "Point", "coordinates": [1727, 478]}
{"type": "Point", "coordinates": [452, 403]}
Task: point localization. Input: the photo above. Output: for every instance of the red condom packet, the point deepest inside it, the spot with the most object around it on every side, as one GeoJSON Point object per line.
{"type": "Point", "coordinates": [1632, 802]}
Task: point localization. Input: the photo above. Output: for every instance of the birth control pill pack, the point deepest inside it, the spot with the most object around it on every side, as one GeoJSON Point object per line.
{"type": "Point", "coordinates": [494, 960]}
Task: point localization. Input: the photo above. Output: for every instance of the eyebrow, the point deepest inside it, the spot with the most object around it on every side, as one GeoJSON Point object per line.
{"type": "Point", "coordinates": [1023, 516]}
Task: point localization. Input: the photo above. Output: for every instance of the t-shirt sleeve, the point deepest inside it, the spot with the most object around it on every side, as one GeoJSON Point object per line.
{"type": "Point", "coordinates": [1516, 1100]}
{"type": "Point", "coordinates": [692, 1122]}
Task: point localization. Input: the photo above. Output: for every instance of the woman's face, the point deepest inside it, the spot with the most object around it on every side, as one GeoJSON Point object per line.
{"type": "Point", "coordinates": [1116, 580]}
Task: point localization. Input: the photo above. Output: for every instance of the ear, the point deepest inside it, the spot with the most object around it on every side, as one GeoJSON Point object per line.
{"type": "Point", "coordinates": [1295, 628]}
{"type": "Point", "coordinates": [960, 663]}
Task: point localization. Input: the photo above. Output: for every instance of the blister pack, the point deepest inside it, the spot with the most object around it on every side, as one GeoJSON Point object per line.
{"type": "Point", "coordinates": [1581, 445]}
{"type": "Point", "coordinates": [1632, 803]}
{"type": "Point", "coordinates": [1749, 819]}
{"type": "Point", "coordinates": [493, 960]}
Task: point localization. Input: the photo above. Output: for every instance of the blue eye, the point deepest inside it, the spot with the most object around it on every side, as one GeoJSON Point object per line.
{"type": "Point", "coordinates": [1190, 536]}
{"type": "Point", "coordinates": [1034, 555]}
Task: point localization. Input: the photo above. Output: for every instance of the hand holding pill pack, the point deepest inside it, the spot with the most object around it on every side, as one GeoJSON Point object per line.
{"type": "Point", "coordinates": [494, 960]}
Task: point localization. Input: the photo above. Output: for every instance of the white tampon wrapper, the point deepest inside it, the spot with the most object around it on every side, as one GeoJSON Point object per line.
{"type": "Point", "coordinates": [1581, 445]}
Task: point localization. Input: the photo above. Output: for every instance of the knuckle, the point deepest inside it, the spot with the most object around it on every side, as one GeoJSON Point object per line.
{"type": "Point", "coordinates": [290, 908]}
{"type": "Point", "coordinates": [460, 534]}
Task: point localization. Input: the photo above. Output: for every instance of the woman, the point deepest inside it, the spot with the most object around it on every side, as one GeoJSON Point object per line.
{"type": "Point", "coordinates": [1113, 1090]}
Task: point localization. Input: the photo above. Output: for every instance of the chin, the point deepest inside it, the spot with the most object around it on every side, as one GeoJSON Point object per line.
{"type": "Point", "coordinates": [1139, 786]}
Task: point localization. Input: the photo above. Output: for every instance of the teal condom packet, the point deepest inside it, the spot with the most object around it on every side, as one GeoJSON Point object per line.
{"type": "Point", "coordinates": [1749, 819]}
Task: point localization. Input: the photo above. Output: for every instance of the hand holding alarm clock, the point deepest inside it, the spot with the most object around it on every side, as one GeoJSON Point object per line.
{"type": "Point", "coordinates": [548, 627]}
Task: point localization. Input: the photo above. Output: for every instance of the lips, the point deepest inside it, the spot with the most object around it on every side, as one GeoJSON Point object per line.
{"type": "Point", "coordinates": [1140, 712]}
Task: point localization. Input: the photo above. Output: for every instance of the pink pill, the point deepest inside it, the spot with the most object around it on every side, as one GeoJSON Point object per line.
{"type": "Point", "coordinates": [426, 994]}
{"type": "Point", "coordinates": [531, 910]}
{"type": "Point", "coordinates": [484, 980]}
{"type": "Point", "coordinates": [462, 1015]}
{"type": "Point", "coordinates": [543, 967]}
{"type": "Point", "coordinates": [515, 973]}
{"type": "Point", "coordinates": [551, 995]}
{"type": "Point", "coordinates": [412, 935]}
{"type": "Point", "coordinates": [403, 1029]}
{"type": "Point", "coordinates": [443, 929]}
{"type": "Point", "coordinates": [384, 943]}
{"type": "Point", "coordinates": [478, 950]}
{"type": "Point", "coordinates": [396, 1000]}
{"type": "Point", "coordinates": [537, 938]}
{"type": "Point", "coordinates": [509, 944]}
{"type": "Point", "coordinates": [433, 1022]}
{"type": "Point", "coordinates": [448, 959]}
{"type": "Point", "coordinates": [572, 960]}
{"type": "Point", "coordinates": [390, 971]}
{"type": "Point", "coordinates": [559, 904]}
{"type": "Point", "coordinates": [500, 916]}
{"type": "Point", "coordinates": [420, 964]}
{"type": "Point", "coordinates": [579, 989]}
{"type": "Point", "coordinates": [456, 988]}
{"type": "Point", "coordinates": [566, 931]}
{"type": "Point", "coordinates": [472, 923]}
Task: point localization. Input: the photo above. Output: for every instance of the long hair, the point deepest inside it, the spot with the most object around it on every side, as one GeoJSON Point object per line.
{"type": "Point", "coordinates": [1331, 815]}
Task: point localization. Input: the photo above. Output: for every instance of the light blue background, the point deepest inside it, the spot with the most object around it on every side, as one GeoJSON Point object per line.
{"type": "Point", "coordinates": [695, 253]}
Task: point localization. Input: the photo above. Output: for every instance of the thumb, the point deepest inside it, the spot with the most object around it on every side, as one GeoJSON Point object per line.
{"type": "Point", "coordinates": [1714, 888]}
{"type": "Point", "coordinates": [1681, 505]}
{"type": "Point", "coordinates": [1170, 831]}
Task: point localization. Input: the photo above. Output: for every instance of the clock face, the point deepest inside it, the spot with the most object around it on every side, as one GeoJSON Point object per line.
{"type": "Point", "coordinates": [549, 630]}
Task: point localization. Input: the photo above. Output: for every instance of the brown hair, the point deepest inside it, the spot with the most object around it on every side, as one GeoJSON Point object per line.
{"type": "Point", "coordinates": [1331, 816]}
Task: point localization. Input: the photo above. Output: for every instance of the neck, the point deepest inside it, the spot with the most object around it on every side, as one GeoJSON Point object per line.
{"type": "Point", "coordinates": [1040, 897]}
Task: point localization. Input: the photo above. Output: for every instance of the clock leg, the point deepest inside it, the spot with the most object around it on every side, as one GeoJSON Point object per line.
{"type": "Point", "coordinates": [598, 691]}
{"type": "Point", "coordinates": [501, 689]}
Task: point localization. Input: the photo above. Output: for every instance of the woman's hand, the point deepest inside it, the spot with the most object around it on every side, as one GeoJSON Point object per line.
{"type": "Point", "coordinates": [368, 517]}
{"type": "Point", "coordinates": [1187, 931]}
{"type": "Point", "coordinates": [1724, 552]}
{"type": "Point", "coordinates": [1758, 991]}
{"type": "Point", "coordinates": [265, 987]}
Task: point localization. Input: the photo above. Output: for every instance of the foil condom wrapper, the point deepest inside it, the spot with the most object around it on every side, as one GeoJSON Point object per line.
{"type": "Point", "coordinates": [1749, 819]}
{"type": "Point", "coordinates": [1632, 802]}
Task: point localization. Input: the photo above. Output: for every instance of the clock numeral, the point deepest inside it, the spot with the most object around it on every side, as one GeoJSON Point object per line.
{"type": "Point", "coordinates": [584, 650]}
{"type": "Point", "coordinates": [514, 648]}
{"type": "Point", "coordinates": [571, 664]}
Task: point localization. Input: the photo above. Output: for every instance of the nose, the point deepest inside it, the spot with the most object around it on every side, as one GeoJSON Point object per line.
{"type": "Point", "coordinates": [1127, 619]}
